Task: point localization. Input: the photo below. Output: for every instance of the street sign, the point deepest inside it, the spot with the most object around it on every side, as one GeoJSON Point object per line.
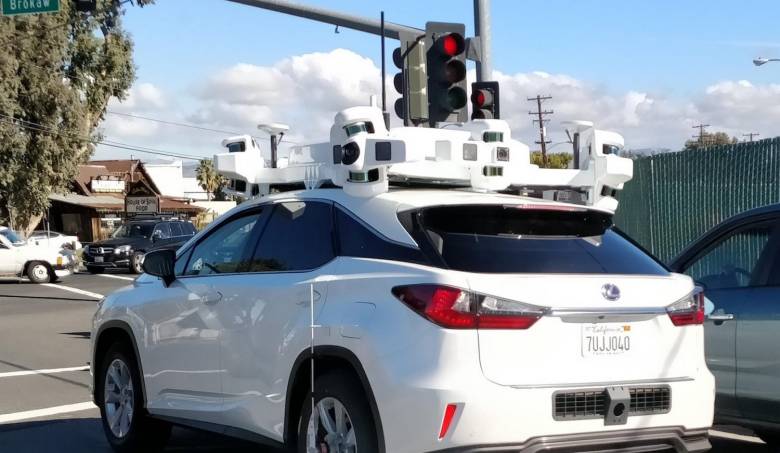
{"type": "Point", "coordinates": [16, 7]}
{"type": "Point", "coordinates": [142, 205]}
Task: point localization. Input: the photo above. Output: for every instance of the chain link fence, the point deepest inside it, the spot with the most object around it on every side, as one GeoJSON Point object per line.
{"type": "Point", "coordinates": [673, 198]}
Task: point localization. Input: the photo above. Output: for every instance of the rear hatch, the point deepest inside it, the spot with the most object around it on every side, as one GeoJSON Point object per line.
{"type": "Point", "coordinates": [566, 300]}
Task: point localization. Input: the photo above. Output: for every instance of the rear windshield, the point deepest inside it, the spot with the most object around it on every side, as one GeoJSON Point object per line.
{"type": "Point", "coordinates": [507, 239]}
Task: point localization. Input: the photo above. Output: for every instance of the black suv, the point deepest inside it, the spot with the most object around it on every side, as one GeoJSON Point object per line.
{"type": "Point", "coordinates": [126, 248]}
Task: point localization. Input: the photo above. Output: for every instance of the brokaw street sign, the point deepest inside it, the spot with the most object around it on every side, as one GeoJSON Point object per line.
{"type": "Point", "coordinates": [14, 7]}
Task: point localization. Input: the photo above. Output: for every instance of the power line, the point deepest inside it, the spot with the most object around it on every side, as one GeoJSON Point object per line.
{"type": "Point", "coordinates": [189, 125]}
{"type": "Point", "coordinates": [541, 120]}
{"type": "Point", "coordinates": [114, 144]}
{"type": "Point", "coordinates": [173, 123]}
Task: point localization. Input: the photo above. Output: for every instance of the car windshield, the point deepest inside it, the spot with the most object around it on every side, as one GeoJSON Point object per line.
{"type": "Point", "coordinates": [12, 237]}
{"type": "Point", "coordinates": [134, 230]}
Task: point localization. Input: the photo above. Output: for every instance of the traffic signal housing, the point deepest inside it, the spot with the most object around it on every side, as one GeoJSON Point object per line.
{"type": "Point", "coordinates": [484, 101]}
{"type": "Point", "coordinates": [411, 82]}
{"type": "Point", "coordinates": [446, 72]}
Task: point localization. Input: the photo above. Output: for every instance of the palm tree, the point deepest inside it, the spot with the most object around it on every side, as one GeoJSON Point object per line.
{"type": "Point", "coordinates": [208, 178]}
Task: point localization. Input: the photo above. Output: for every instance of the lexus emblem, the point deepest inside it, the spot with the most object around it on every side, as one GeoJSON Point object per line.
{"type": "Point", "coordinates": [610, 292]}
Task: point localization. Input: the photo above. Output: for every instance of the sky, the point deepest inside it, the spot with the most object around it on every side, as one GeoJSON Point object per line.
{"type": "Point", "coordinates": [648, 70]}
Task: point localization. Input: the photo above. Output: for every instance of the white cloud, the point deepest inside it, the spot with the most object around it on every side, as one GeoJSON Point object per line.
{"type": "Point", "coordinates": [306, 91]}
{"type": "Point", "coordinates": [143, 96]}
{"type": "Point", "coordinates": [303, 91]}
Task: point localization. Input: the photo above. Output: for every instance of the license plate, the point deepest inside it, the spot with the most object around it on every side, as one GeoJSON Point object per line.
{"type": "Point", "coordinates": [605, 339]}
{"type": "Point", "coordinates": [98, 259]}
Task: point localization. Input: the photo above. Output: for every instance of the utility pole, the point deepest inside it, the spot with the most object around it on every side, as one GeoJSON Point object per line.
{"type": "Point", "coordinates": [482, 32]}
{"type": "Point", "coordinates": [541, 120]}
{"type": "Point", "coordinates": [750, 136]}
{"type": "Point", "coordinates": [702, 134]}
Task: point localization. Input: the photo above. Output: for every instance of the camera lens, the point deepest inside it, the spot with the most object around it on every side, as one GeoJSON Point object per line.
{"type": "Point", "coordinates": [351, 153]}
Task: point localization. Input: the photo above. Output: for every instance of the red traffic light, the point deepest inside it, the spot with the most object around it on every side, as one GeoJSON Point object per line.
{"type": "Point", "coordinates": [481, 98]}
{"type": "Point", "coordinates": [484, 100]}
{"type": "Point", "coordinates": [451, 44]}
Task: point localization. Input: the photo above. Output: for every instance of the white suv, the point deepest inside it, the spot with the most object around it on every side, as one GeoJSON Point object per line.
{"type": "Point", "coordinates": [444, 320]}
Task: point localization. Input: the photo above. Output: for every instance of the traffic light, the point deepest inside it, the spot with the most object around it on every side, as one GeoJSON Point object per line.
{"type": "Point", "coordinates": [446, 72]}
{"type": "Point", "coordinates": [484, 101]}
{"type": "Point", "coordinates": [411, 82]}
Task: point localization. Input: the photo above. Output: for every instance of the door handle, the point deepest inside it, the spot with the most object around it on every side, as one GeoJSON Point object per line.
{"type": "Point", "coordinates": [720, 317]}
{"type": "Point", "coordinates": [211, 298]}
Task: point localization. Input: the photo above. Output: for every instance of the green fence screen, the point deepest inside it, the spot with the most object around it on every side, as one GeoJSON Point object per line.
{"type": "Point", "coordinates": [675, 197]}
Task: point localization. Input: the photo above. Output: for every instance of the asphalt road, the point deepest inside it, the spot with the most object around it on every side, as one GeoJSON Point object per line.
{"type": "Point", "coordinates": [46, 328]}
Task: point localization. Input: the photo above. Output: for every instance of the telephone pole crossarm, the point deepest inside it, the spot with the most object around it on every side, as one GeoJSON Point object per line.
{"type": "Point", "coordinates": [750, 136]}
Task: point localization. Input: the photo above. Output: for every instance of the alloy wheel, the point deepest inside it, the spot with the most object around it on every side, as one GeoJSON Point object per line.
{"type": "Point", "coordinates": [118, 398]}
{"type": "Point", "coordinates": [40, 272]}
{"type": "Point", "coordinates": [330, 429]}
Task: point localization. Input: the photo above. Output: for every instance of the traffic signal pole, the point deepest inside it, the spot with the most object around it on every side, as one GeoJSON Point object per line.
{"type": "Point", "coordinates": [482, 30]}
{"type": "Point", "coordinates": [373, 26]}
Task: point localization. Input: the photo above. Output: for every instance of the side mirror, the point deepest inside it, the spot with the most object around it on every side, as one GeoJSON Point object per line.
{"type": "Point", "coordinates": [160, 263]}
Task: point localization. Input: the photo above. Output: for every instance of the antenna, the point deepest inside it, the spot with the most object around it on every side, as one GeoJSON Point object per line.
{"type": "Point", "coordinates": [385, 114]}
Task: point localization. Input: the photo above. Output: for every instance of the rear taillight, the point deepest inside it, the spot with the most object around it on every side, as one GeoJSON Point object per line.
{"type": "Point", "coordinates": [455, 308]}
{"type": "Point", "coordinates": [689, 310]}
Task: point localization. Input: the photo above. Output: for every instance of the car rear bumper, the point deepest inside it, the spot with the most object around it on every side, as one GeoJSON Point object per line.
{"type": "Point", "coordinates": [492, 417]}
{"type": "Point", "coordinates": [631, 440]}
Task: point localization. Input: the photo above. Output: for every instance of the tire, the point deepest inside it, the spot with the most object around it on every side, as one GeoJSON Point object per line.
{"type": "Point", "coordinates": [336, 389]}
{"type": "Point", "coordinates": [38, 272]}
{"type": "Point", "coordinates": [136, 263]}
{"type": "Point", "coordinates": [95, 269]}
{"type": "Point", "coordinates": [138, 432]}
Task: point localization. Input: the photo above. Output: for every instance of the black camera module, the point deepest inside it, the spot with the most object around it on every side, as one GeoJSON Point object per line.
{"type": "Point", "coordinates": [351, 153]}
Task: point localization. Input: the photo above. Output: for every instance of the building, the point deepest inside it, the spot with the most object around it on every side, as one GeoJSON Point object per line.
{"type": "Point", "coordinates": [95, 204]}
{"type": "Point", "coordinates": [176, 180]}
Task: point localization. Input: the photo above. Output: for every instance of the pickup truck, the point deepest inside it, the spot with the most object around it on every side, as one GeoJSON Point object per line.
{"type": "Point", "coordinates": [38, 264]}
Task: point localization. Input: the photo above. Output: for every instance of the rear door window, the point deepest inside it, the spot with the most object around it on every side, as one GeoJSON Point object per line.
{"type": "Point", "coordinates": [508, 239]}
{"type": "Point", "coordinates": [176, 229]}
{"type": "Point", "coordinates": [298, 237]}
{"type": "Point", "coordinates": [162, 231]}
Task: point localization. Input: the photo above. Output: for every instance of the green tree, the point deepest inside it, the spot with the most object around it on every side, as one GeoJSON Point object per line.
{"type": "Point", "coordinates": [554, 160]}
{"type": "Point", "coordinates": [710, 139]}
{"type": "Point", "coordinates": [208, 178]}
{"type": "Point", "coordinates": [57, 74]}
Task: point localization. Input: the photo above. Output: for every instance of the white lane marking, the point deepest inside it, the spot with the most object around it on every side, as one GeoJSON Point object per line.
{"type": "Point", "coordinates": [120, 277]}
{"type": "Point", "coordinates": [743, 438]}
{"type": "Point", "coordinates": [73, 290]}
{"type": "Point", "coordinates": [47, 371]}
{"type": "Point", "coordinates": [18, 416]}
